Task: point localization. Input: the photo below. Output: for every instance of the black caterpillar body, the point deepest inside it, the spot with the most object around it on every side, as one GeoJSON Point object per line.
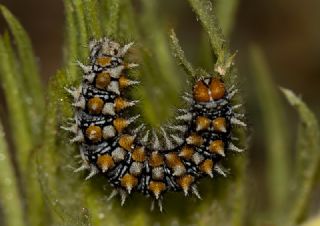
{"type": "Point", "coordinates": [134, 159]}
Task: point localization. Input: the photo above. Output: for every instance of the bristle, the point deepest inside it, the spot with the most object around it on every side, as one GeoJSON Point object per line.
{"type": "Point", "coordinates": [220, 170]}
{"type": "Point", "coordinates": [156, 142]}
{"type": "Point", "coordinates": [86, 69]}
{"type": "Point", "coordinates": [168, 142]}
{"type": "Point", "coordinates": [113, 194]}
{"type": "Point", "coordinates": [125, 49]}
{"type": "Point", "coordinates": [78, 138]}
{"type": "Point", "coordinates": [93, 172]}
{"type": "Point", "coordinates": [232, 147]}
{"type": "Point", "coordinates": [236, 121]}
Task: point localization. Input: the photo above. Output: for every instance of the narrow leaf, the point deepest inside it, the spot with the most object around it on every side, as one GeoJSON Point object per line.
{"type": "Point", "coordinates": [274, 126]}
{"type": "Point", "coordinates": [18, 119]}
{"type": "Point", "coordinates": [31, 78]}
{"type": "Point", "coordinates": [311, 138]}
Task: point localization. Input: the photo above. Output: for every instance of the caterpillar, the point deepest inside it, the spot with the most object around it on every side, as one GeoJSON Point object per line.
{"type": "Point", "coordinates": [134, 158]}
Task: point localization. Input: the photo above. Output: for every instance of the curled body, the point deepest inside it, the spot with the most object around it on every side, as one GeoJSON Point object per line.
{"type": "Point", "coordinates": [134, 158]}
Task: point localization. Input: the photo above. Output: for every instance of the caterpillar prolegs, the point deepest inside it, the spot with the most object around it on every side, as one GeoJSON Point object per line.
{"type": "Point", "coordinates": [135, 159]}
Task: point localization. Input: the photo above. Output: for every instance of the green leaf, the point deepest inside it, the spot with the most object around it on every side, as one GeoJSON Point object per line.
{"type": "Point", "coordinates": [19, 121]}
{"type": "Point", "coordinates": [309, 137]}
{"type": "Point", "coordinates": [275, 131]}
{"type": "Point", "coordinates": [31, 79]}
{"type": "Point", "coordinates": [10, 197]}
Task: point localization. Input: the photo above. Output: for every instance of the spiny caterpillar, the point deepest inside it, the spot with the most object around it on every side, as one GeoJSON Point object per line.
{"type": "Point", "coordinates": [135, 159]}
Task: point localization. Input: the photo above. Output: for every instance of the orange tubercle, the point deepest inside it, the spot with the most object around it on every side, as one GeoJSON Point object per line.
{"type": "Point", "coordinates": [217, 88]}
{"type": "Point", "coordinates": [94, 133]}
{"type": "Point", "coordinates": [105, 162]}
{"type": "Point", "coordinates": [201, 92]}
{"type": "Point", "coordinates": [139, 154]}
{"type": "Point", "coordinates": [173, 160]}
{"type": "Point", "coordinates": [220, 124]}
{"type": "Point", "coordinates": [126, 142]}
{"type": "Point", "coordinates": [217, 147]}
{"type": "Point", "coordinates": [202, 123]}
{"type": "Point", "coordinates": [120, 124]}
{"type": "Point", "coordinates": [156, 188]}
{"type": "Point", "coordinates": [186, 152]}
{"type": "Point", "coordinates": [103, 61]}
{"type": "Point", "coordinates": [129, 182]}
{"type": "Point", "coordinates": [195, 139]}
{"type": "Point", "coordinates": [95, 105]}
{"type": "Point", "coordinates": [120, 104]}
{"type": "Point", "coordinates": [185, 182]}
{"type": "Point", "coordinates": [155, 159]}
{"type": "Point", "coordinates": [103, 80]}
{"type": "Point", "coordinates": [207, 166]}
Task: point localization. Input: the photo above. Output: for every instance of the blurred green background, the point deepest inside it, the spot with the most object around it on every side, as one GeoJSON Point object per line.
{"type": "Point", "coordinates": [286, 31]}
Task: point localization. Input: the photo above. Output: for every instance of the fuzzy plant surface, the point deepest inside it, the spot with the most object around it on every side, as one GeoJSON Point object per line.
{"type": "Point", "coordinates": [37, 183]}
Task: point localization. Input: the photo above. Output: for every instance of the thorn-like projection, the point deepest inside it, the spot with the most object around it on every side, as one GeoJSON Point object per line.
{"type": "Point", "coordinates": [145, 138]}
{"type": "Point", "coordinates": [78, 138]}
{"type": "Point", "coordinates": [121, 104]}
{"type": "Point", "coordinates": [156, 142]}
{"type": "Point", "coordinates": [232, 147]}
{"type": "Point", "coordinates": [86, 69]}
{"type": "Point", "coordinates": [125, 49]}
{"type": "Point", "coordinates": [188, 99]}
{"type": "Point", "coordinates": [168, 143]}
{"type": "Point", "coordinates": [177, 140]}
{"type": "Point", "coordinates": [160, 205]}
{"type": "Point", "coordinates": [113, 194]}
{"type": "Point", "coordinates": [138, 129]}
{"type": "Point", "coordinates": [237, 106]}
{"type": "Point", "coordinates": [125, 82]}
{"type": "Point", "coordinates": [123, 196]}
{"type": "Point", "coordinates": [84, 166]}
{"type": "Point", "coordinates": [238, 122]}
{"type": "Point", "coordinates": [185, 117]}
{"type": "Point", "coordinates": [220, 170]}
{"type": "Point", "coordinates": [195, 191]}
{"type": "Point", "coordinates": [178, 128]}
{"type": "Point", "coordinates": [133, 119]}
{"type": "Point", "coordinates": [232, 93]}
{"type": "Point", "coordinates": [238, 115]}
{"type": "Point", "coordinates": [74, 92]}
{"type": "Point", "coordinates": [114, 87]}
{"type": "Point", "coordinates": [93, 171]}
{"type": "Point", "coordinates": [132, 65]}
{"type": "Point", "coordinates": [81, 103]}
{"type": "Point", "coordinates": [73, 128]}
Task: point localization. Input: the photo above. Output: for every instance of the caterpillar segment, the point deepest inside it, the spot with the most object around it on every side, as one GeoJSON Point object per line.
{"type": "Point", "coordinates": [134, 159]}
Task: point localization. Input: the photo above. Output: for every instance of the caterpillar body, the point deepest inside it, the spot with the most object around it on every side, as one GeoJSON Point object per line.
{"type": "Point", "coordinates": [133, 158]}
